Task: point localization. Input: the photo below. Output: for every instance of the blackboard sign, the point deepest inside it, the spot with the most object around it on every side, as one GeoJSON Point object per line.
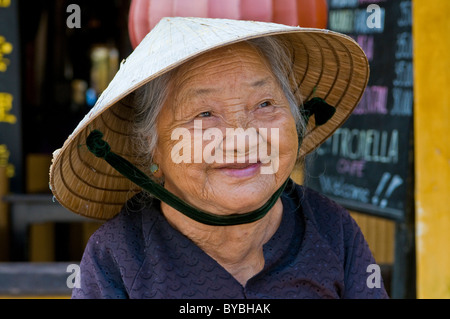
{"type": "Point", "coordinates": [366, 165]}
{"type": "Point", "coordinates": [10, 118]}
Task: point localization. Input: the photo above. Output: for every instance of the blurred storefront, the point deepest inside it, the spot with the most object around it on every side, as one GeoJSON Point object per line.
{"type": "Point", "coordinates": [56, 57]}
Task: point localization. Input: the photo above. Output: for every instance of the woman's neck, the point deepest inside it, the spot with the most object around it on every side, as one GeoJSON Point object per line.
{"type": "Point", "coordinates": [237, 248]}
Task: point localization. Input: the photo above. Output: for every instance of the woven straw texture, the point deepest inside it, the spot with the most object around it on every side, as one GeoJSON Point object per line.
{"type": "Point", "coordinates": [328, 65]}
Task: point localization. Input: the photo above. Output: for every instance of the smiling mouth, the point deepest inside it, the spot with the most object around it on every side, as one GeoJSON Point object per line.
{"type": "Point", "coordinates": [240, 169]}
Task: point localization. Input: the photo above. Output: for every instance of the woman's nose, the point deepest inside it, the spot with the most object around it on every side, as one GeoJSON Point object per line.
{"type": "Point", "coordinates": [241, 144]}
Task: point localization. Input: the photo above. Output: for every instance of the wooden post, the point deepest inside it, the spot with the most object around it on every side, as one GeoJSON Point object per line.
{"type": "Point", "coordinates": [431, 29]}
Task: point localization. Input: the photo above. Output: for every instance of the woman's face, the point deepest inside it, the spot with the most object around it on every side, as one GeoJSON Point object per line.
{"type": "Point", "coordinates": [229, 90]}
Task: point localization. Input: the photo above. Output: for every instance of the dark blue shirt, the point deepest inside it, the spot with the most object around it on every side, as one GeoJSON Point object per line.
{"type": "Point", "coordinates": [318, 251]}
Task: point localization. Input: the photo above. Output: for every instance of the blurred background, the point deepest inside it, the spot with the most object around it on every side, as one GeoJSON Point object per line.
{"type": "Point", "coordinates": [389, 164]}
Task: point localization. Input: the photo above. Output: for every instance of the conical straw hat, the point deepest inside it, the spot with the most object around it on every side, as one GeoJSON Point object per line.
{"type": "Point", "coordinates": [328, 65]}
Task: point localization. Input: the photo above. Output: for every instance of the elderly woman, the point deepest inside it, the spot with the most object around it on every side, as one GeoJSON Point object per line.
{"type": "Point", "coordinates": [196, 139]}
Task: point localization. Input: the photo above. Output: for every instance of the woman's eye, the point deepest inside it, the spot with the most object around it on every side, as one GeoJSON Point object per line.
{"type": "Point", "coordinates": [265, 104]}
{"type": "Point", "coordinates": [205, 114]}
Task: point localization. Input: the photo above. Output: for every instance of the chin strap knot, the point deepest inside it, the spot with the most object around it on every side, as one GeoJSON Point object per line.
{"type": "Point", "coordinates": [321, 110]}
{"type": "Point", "coordinates": [97, 145]}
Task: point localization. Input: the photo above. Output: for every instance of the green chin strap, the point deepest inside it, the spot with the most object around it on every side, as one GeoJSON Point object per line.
{"type": "Point", "coordinates": [100, 148]}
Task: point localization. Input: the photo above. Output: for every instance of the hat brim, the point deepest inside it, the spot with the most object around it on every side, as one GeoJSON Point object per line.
{"type": "Point", "coordinates": [328, 65]}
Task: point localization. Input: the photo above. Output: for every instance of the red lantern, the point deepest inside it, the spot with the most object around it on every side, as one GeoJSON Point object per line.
{"type": "Point", "coordinates": [145, 14]}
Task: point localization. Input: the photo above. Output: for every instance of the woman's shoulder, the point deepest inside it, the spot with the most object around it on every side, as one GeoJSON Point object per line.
{"type": "Point", "coordinates": [113, 253]}
{"type": "Point", "coordinates": [127, 227]}
{"type": "Point", "coordinates": [329, 218]}
{"type": "Point", "coordinates": [315, 204]}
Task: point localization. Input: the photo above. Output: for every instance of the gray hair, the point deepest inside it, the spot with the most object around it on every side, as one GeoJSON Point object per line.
{"type": "Point", "coordinates": [150, 98]}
